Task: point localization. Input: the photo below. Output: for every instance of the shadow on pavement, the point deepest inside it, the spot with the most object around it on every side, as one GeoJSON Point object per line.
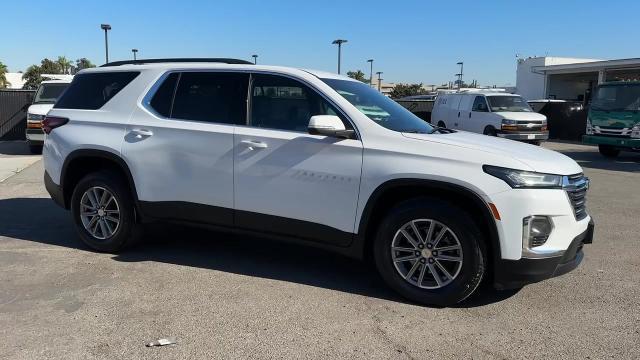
{"type": "Point", "coordinates": [625, 162]}
{"type": "Point", "coordinates": [40, 220]}
{"type": "Point", "coordinates": [14, 148]}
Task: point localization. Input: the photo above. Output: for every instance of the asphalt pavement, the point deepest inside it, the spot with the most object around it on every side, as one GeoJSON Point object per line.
{"type": "Point", "coordinates": [225, 296]}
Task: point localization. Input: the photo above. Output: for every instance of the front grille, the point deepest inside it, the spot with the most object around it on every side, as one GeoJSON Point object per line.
{"type": "Point", "coordinates": [576, 187]}
{"type": "Point", "coordinates": [613, 131]}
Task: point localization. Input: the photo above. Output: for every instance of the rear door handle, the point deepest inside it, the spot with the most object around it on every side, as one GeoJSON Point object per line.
{"type": "Point", "coordinates": [140, 133]}
{"type": "Point", "coordinates": [458, 113]}
{"type": "Point", "coordinates": [254, 144]}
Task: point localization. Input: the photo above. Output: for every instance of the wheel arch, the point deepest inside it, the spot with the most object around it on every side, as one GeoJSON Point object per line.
{"type": "Point", "coordinates": [81, 162]}
{"type": "Point", "coordinates": [392, 192]}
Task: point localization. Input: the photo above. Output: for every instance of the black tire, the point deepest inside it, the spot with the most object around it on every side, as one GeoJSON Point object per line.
{"type": "Point", "coordinates": [608, 151]}
{"type": "Point", "coordinates": [461, 223]}
{"type": "Point", "coordinates": [442, 124]}
{"type": "Point", "coordinates": [128, 232]}
{"type": "Point", "coordinates": [35, 149]}
{"type": "Point", "coordinates": [489, 130]}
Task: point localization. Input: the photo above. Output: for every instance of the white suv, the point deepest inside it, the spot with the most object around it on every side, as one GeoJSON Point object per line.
{"type": "Point", "coordinates": [316, 158]}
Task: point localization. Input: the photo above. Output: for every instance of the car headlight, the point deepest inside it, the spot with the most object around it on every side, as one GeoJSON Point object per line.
{"type": "Point", "coordinates": [635, 131]}
{"type": "Point", "coordinates": [34, 117]}
{"type": "Point", "coordinates": [509, 122]}
{"type": "Point", "coordinates": [520, 179]}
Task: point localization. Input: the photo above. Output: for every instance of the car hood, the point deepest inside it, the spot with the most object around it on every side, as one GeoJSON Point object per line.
{"type": "Point", "coordinates": [532, 157]}
{"type": "Point", "coordinates": [521, 115]}
{"type": "Point", "coordinates": [40, 109]}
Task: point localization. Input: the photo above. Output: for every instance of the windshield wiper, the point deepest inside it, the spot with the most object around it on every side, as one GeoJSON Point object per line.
{"type": "Point", "coordinates": [442, 130]}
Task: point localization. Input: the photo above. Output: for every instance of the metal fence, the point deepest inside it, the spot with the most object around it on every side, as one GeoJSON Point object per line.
{"type": "Point", "coordinates": [13, 113]}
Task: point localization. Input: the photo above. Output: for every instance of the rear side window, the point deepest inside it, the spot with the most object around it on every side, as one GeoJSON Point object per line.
{"type": "Point", "coordinates": [163, 98]}
{"type": "Point", "coordinates": [91, 91]}
{"type": "Point", "coordinates": [216, 97]}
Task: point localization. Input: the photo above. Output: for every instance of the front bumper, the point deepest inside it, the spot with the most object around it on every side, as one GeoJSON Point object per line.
{"type": "Point", "coordinates": [54, 190]}
{"type": "Point", "coordinates": [623, 142]}
{"type": "Point", "coordinates": [509, 274]}
{"type": "Point", "coordinates": [524, 135]}
{"type": "Point", "coordinates": [35, 136]}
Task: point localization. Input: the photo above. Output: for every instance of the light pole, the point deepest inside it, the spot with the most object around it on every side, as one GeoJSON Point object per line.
{"type": "Point", "coordinates": [255, 59]}
{"type": "Point", "coordinates": [461, 73]}
{"type": "Point", "coordinates": [106, 27]}
{"type": "Point", "coordinates": [370, 61]}
{"type": "Point", "coordinates": [134, 51]}
{"type": "Point", "coordinates": [379, 80]}
{"type": "Point", "coordinates": [339, 42]}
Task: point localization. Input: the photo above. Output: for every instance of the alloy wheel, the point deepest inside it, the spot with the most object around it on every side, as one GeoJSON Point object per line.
{"type": "Point", "coordinates": [426, 253]}
{"type": "Point", "coordinates": [99, 212]}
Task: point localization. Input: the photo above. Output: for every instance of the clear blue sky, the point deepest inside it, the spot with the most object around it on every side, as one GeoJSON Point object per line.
{"type": "Point", "coordinates": [411, 41]}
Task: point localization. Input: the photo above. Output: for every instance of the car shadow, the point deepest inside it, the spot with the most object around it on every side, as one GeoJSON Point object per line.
{"type": "Point", "coordinates": [625, 162]}
{"type": "Point", "coordinates": [231, 253]}
{"type": "Point", "coordinates": [14, 148]}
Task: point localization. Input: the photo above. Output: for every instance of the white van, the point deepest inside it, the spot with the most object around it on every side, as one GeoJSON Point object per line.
{"type": "Point", "coordinates": [46, 95]}
{"type": "Point", "coordinates": [491, 113]}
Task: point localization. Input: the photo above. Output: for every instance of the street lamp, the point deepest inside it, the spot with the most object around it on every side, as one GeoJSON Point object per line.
{"type": "Point", "coordinates": [339, 42]}
{"type": "Point", "coordinates": [370, 61]}
{"type": "Point", "coordinates": [106, 27]}
{"type": "Point", "coordinates": [134, 51]}
{"type": "Point", "coordinates": [379, 79]}
{"type": "Point", "coordinates": [461, 73]}
{"type": "Point", "coordinates": [255, 59]}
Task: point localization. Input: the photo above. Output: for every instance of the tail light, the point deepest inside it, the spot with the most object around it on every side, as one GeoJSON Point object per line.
{"type": "Point", "coordinates": [51, 122]}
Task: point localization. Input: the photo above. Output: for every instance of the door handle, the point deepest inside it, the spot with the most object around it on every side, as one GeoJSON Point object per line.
{"type": "Point", "coordinates": [140, 133]}
{"type": "Point", "coordinates": [458, 113]}
{"type": "Point", "coordinates": [254, 144]}
{"type": "Point", "coordinates": [469, 115]}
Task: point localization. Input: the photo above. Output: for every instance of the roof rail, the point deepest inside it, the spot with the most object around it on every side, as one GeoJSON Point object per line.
{"type": "Point", "coordinates": [181, 60]}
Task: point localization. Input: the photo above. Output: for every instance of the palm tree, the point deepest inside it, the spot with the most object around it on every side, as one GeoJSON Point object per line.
{"type": "Point", "coordinates": [3, 77]}
{"type": "Point", "coordinates": [65, 64]}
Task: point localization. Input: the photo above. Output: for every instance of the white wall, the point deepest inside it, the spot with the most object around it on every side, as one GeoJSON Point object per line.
{"type": "Point", "coordinates": [533, 86]}
{"type": "Point", "coordinates": [15, 79]}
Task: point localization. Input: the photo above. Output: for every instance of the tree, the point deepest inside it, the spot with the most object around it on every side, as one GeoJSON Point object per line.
{"type": "Point", "coordinates": [33, 75]}
{"type": "Point", "coordinates": [402, 90]}
{"type": "Point", "coordinates": [358, 75]}
{"type": "Point", "coordinates": [64, 64]}
{"type": "Point", "coordinates": [3, 76]}
{"type": "Point", "coordinates": [82, 63]}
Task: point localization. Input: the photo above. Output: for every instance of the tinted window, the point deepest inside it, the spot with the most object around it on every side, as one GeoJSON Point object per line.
{"type": "Point", "coordinates": [285, 104]}
{"type": "Point", "coordinates": [49, 93]}
{"type": "Point", "coordinates": [479, 104]}
{"type": "Point", "coordinates": [163, 97]}
{"type": "Point", "coordinates": [212, 97]}
{"type": "Point", "coordinates": [92, 90]}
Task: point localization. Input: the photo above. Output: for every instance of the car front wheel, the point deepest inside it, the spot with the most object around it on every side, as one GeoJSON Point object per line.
{"type": "Point", "coordinates": [430, 251]}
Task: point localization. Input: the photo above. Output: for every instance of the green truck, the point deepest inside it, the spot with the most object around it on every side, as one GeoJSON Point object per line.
{"type": "Point", "coordinates": [613, 122]}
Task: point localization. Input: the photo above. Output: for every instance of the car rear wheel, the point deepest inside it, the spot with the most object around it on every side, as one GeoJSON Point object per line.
{"type": "Point", "coordinates": [608, 151]}
{"type": "Point", "coordinates": [430, 251]}
{"type": "Point", "coordinates": [489, 130]}
{"type": "Point", "coordinates": [103, 211]}
{"type": "Point", "coordinates": [441, 124]}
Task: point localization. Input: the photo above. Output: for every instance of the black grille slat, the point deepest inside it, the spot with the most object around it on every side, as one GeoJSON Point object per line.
{"type": "Point", "coordinates": [577, 192]}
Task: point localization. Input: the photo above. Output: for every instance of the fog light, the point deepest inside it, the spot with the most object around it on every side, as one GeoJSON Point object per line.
{"type": "Point", "coordinates": [536, 231]}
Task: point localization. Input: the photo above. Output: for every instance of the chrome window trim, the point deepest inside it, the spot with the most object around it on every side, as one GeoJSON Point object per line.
{"type": "Point", "coordinates": [146, 100]}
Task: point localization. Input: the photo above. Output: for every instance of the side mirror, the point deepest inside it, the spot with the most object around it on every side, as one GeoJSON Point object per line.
{"type": "Point", "coordinates": [328, 125]}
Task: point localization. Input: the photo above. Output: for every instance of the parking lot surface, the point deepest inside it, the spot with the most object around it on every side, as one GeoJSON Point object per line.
{"type": "Point", "coordinates": [226, 296]}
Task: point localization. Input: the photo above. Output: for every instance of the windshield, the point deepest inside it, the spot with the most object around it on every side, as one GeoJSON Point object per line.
{"type": "Point", "coordinates": [379, 108]}
{"type": "Point", "coordinates": [49, 93]}
{"type": "Point", "coordinates": [617, 98]}
{"type": "Point", "coordinates": [508, 103]}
